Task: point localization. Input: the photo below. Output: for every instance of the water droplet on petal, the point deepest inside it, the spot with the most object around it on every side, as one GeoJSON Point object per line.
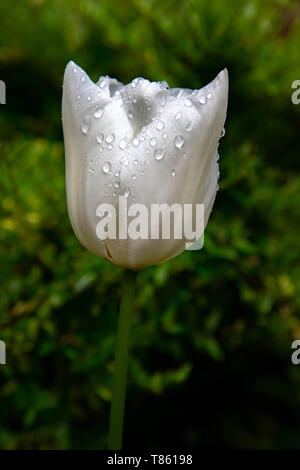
{"type": "Point", "coordinates": [136, 142]}
{"type": "Point", "coordinates": [134, 177]}
{"type": "Point", "coordinates": [126, 162]}
{"type": "Point", "coordinates": [106, 167]}
{"type": "Point", "coordinates": [100, 138]}
{"type": "Point", "coordinates": [163, 100]}
{"type": "Point", "coordinates": [160, 125]}
{"type": "Point", "coordinates": [103, 83]}
{"type": "Point", "coordinates": [86, 124]}
{"type": "Point", "coordinates": [173, 172]}
{"type": "Point", "coordinates": [165, 135]}
{"type": "Point", "coordinates": [83, 78]}
{"type": "Point", "coordinates": [117, 184]}
{"type": "Point", "coordinates": [189, 126]}
{"type": "Point", "coordinates": [179, 141]}
{"type": "Point", "coordinates": [153, 142]}
{"type": "Point", "coordinates": [177, 116]}
{"type": "Point", "coordinates": [135, 162]}
{"type": "Point", "coordinates": [188, 103]}
{"type": "Point", "coordinates": [156, 116]}
{"type": "Point", "coordinates": [202, 100]}
{"type": "Point", "coordinates": [110, 138]}
{"type": "Point", "coordinates": [126, 192]}
{"type": "Point", "coordinates": [122, 144]}
{"type": "Point", "coordinates": [98, 112]}
{"type": "Point", "coordinates": [223, 132]}
{"type": "Point", "coordinates": [130, 113]}
{"type": "Point", "coordinates": [209, 95]}
{"type": "Point", "coordinates": [159, 154]}
{"type": "Point", "coordinates": [117, 174]}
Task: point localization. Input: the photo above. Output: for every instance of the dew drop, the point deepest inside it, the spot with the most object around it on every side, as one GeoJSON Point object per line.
{"type": "Point", "coordinates": [130, 113]}
{"type": "Point", "coordinates": [106, 167]}
{"type": "Point", "coordinates": [117, 184]}
{"type": "Point", "coordinates": [160, 125]}
{"type": "Point", "coordinates": [126, 192]}
{"type": "Point", "coordinates": [83, 78]}
{"type": "Point", "coordinates": [173, 172]}
{"type": "Point", "coordinates": [209, 95]}
{"type": "Point", "coordinates": [202, 99]}
{"type": "Point", "coordinates": [100, 138]}
{"type": "Point", "coordinates": [134, 177]}
{"type": "Point", "coordinates": [188, 103]}
{"type": "Point", "coordinates": [177, 116]}
{"type": "Point", "coordinates": [109, 146]}
{"type": "Point", "coordinates": [103, 83]}
{"type": "Point", "coordinates": [86, 124]}
{"type": "Point", "coordinates": [223, 132]}
{"type": "Point", "coordinates": [165, 135]}
{"type": "Point", "coordinates": [98, 113]}
{"type": "Point", "coordinates": [126, 162]}
{"type": "Point", "coordinates": [179, 141]}
{"type": "Point", "coordinates": [153, 142]}
{"type": "Point", "coordinates": [189, 126]}
{"type": "Point", "coordinates": [122, 144]}
{"type": "Point", "coordinates": [136, 142]}
{"type": "Point", "coordinates": [135, 162]}
{"type": "Point", "coordinates": [110, 138]}
{"type": "Point", "coordinates": [156, 116]}
{"type": "Point", "coordinates": [159, 154]}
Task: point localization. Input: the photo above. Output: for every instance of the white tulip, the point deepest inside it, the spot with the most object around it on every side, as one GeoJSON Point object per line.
{"type": "Point", "coordinates": [145, 141]}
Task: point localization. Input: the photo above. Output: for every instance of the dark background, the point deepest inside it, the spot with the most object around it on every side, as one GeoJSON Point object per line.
{"type": "Point", "coordinates": [210, 362]}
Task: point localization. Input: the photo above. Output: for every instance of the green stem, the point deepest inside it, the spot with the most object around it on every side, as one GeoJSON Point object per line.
{"type": "Point", "coordinates": [121, 362]}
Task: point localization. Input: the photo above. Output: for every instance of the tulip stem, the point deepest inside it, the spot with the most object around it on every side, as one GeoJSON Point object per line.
{"type": "Point", "coordinates": [121, 362]}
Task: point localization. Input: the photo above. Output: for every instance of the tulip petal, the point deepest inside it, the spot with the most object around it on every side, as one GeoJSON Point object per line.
{"type": "Point", "coordinates": [185, 133]}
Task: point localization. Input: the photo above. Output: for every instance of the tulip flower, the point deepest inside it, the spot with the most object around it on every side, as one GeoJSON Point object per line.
{"type": "Point", "coordinates": [144, 141]}
{"type": "Point", "coordinates": [148, 144]}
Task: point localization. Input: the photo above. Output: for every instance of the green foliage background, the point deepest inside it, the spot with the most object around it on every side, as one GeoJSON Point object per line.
{"type": "Point", "coordinates": [211, 343]}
